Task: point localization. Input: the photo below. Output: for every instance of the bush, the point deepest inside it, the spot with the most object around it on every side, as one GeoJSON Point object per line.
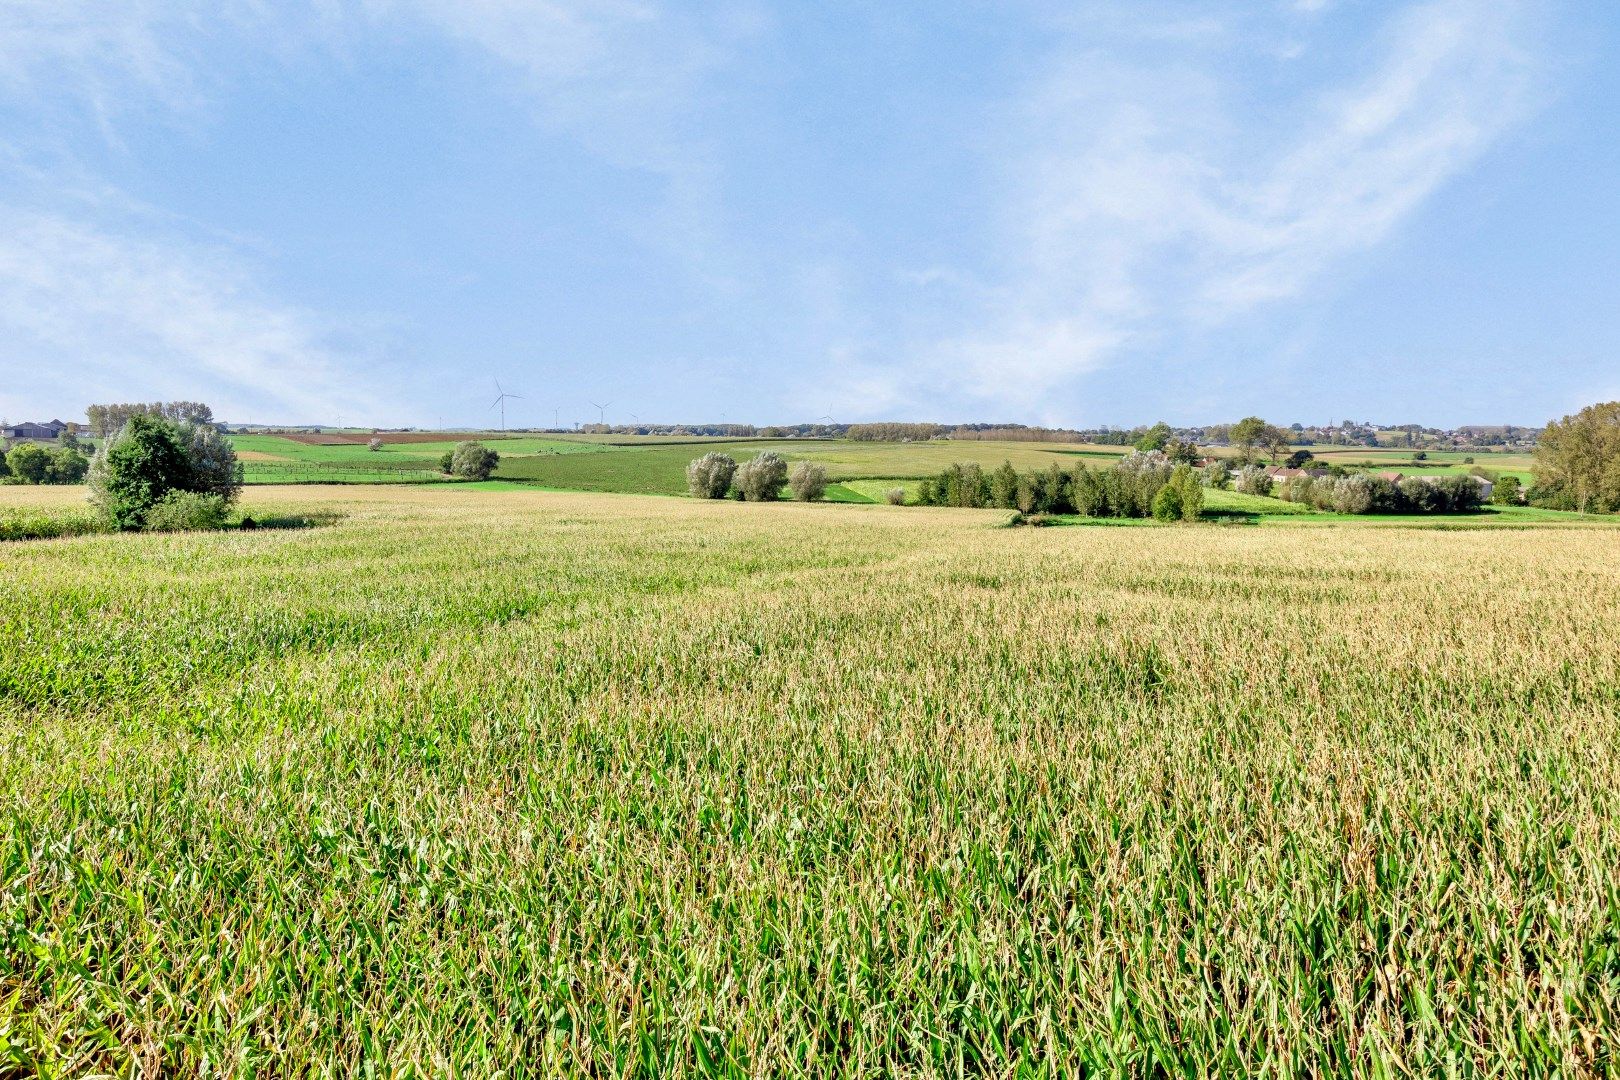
{"type": "Point", "coordinates": [760, 479]}
{"type": "Point", "coordinates": [447, 461]}
{"type": "Point", "coordinates": [149, 458]}
{"type": "Point", "coordinates": [709, 477]}
{"type": "Point", "coordinates": [473, 461]}
{"type": "Point", "coordinates": [1507, 491]}
{"type": "Point", "coordinates": [187, 511]}
{"type": "Point", "coordinates": [374, 445]}
{"type": "Point", "coordinates": [895, 496]}
{"type": "Point", "coordinates": [1252, 480]}
{"type": "Point", "coordinates": [1218, 474]}
{"type": "Point", "coordinates": [1420, 496]}
{"type": "Point", "coordinates": [134, 469]}
{"type": "Point", "coordinates": [30, 464]}
{"type": "Point", "coordinates": [808, 481]}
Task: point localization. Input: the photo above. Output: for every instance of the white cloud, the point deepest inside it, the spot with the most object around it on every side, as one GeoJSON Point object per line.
{"type": "Point", "coordinates": [1146, 199]}
{"type": "Point", "coordinates": [90, 312]}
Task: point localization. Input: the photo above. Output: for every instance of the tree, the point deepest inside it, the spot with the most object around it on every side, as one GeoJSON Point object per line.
{"type": "Point", "coordinates": [1189, 492]}
{"type": "Point", "coordinates": [1247, 434]}
{"type": "Point", "coordinates": [1217, 474]}
{"type": "Point", "coordinates": [709, 477]}
{"type": "Point", "coordinates": [1167, 504]}
{"type": "Point", "coordinates": [1298, 458]}
{"type": "Point", "coordinates": [1276, 442]}
{"type": "Point", "coordinates": [1578, 460]}
{"type": "Point", "coordinates": [447, 461]}
{"type": "Point", "coordinates": [374, 444]}
{"type": "Point", "coordinates": [808, 481]}
{"type": "Point", "coordinates": [760, 479]}
{"type": "Point", "coordinates": [136, 468]}
{"type": "Point", "coordinates": [28, 463]}
{"type": "Point", "coordinates": [1154, 438]}
{"type": "Point", "coordinates": [1506, 491]}
{"type": "Point", "coordinates": [67, 466]}
{"type": "Point", "coordinates": [473, 461]}
{"type": "Point", "coordinates": [214, 468]}
{"type": "Point", "coordinates": [1004, 486]}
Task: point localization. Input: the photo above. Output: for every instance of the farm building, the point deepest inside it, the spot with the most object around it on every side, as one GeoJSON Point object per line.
{"type": "Point", "coordinates": [50, 429]}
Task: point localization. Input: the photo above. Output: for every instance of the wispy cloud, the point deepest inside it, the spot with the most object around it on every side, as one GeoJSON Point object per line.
{"type": "Point", "coordinates": [134, 306]}
{"type": "Point", "coordinates": [1151, 200]}
{"type": "Point", "coordinates": [112, 313]}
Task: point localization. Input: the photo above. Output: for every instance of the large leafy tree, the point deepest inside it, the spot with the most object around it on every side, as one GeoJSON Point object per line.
{"type": "Point", "coordinates": [133, 471]}
{"type": "Point", "coordinates": [1578, 460]}
{"type": "Point", "coordinates": [1248, 434]}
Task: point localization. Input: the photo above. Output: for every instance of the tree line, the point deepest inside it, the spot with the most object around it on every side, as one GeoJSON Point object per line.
{"type": "Point", "coordinates": [106, 420]}
{"type": "Point", "coordinates": [1143, 484]}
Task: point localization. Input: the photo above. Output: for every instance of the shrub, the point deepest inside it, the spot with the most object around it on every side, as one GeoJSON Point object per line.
{"type": "Point", "coordinates": [760, 479]}
{"type": "Point", "coordinates": [30, 464]}
{"type": "Point", "coordinates": [187, 511]}
{"type": "Point", "coordinates": [473, 461]}
{"type": "Point", "coordinates": [1218, 474]}
{"type": "Point", "coordinates": [1420, 496]}
{"type": "Point", "coordinates": [374, 445]}
{"type": "Point", "coordinates": [134, 469]}
{"type": "Point", "coordinates": [1459, 494]}
{"type": "Point", "coordinates": [808, 481]}
{"type": "Point", "coordinates": [447, 461]}
{"type": "Point", "coordinates": [895, 496]}
{"type": "Point", "coordinates": [1507, 491]}
{"type": "Point", "coordinates": [709, 477]}
{"type": "Point", "coordinates": [1252, 480]}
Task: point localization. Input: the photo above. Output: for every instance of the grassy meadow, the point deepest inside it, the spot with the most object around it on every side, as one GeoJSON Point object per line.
{"type": "Point", "coordinates": [475, 780]}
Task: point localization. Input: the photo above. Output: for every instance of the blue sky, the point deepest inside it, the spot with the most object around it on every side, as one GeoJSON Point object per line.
{"type": "Point", "coordinates": [1073, 213]}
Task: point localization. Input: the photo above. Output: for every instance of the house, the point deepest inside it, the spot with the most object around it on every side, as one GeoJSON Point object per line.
{"type": "Point", "coordinates": [51, 429]}
{"type": "Point", "coordinates": [1283, 474]}
{"type": "Point", "coordinates": [1390, 475]}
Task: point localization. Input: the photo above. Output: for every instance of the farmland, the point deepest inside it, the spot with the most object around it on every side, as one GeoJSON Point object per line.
{"type": "Point", "coordinates": [599, 784]}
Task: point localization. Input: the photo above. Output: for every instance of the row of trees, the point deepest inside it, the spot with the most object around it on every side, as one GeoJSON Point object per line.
{"type": "Point", "coordinates": [30, 463]}
{"type": "Point", "coordinates": [1142, 484]}
{"type": "Point", "coordinates": [759, 479]}
{"type": "Point", "coordinates": [106, 420]}
{"type": "Point", "coordinates": [1376, 495]}
{"type": "Point", "coordinates": [894, 432]}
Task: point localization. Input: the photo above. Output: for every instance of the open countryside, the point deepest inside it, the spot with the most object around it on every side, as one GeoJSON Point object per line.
{"type": "Point", "coordinates": [659, 540]}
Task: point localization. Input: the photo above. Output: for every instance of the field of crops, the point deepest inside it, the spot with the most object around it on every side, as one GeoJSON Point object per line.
{"type": "Point", "coordinates": [481, 782]}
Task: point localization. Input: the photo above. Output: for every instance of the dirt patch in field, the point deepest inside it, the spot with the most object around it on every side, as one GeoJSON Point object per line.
{"type": "Point", "coordinates": [259, 455]}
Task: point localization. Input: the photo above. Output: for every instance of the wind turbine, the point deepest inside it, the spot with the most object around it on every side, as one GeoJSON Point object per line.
{"type": "Point", "coordinates": [501, 401]}
{"type": "Point", "coordinates": [601, 412]}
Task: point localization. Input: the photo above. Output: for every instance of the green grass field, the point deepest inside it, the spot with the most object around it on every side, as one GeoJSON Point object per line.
{"type": "Point", "coordinates": [483, 780]}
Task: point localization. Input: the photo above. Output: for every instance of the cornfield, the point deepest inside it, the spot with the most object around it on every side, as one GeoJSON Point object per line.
{"type": "Point", "coordinates": [511, 784]}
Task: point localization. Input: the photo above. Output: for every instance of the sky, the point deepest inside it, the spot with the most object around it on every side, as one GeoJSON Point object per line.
{"type": "Point", "coordinates": [366, 212]}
